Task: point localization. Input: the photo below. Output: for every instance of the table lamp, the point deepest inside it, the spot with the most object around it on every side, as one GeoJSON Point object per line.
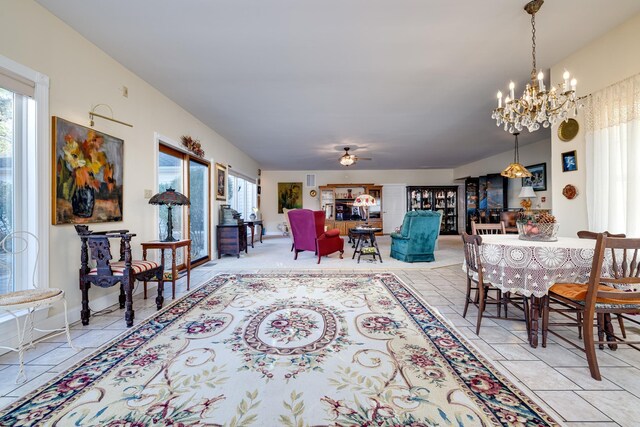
{"type": "Point", "coordinates": [170, 198]}
{"type": "Point", "coordinates": [364, 201]}
{"type": "Point", "coordinates": [526, 194]}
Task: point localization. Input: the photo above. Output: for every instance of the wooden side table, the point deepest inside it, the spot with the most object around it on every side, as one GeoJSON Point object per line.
{"type": "Point", "coordinates": [173, 246]}
{"type": "Point", "coordinates": [252, 226]}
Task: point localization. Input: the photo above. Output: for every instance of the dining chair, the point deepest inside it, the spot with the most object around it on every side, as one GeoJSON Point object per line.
{"type": "Point", "coordinates": [551, 305]}
{"type": "Point", "coordinates": [616, 290]}
{"type": "Point", "coordinates": [482, 229]}
{"type": "Point", "coordinates": [476, 283]}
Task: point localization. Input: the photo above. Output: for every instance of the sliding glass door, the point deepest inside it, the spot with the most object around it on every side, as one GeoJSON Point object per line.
{"type": "Point", "coordinates": [199, 211]}
{"type": "Point", "coordinates": [190, 176]}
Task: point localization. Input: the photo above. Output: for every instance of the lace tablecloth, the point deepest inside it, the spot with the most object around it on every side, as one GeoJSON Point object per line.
{"type": "Point", "coordinates": [531, 267]}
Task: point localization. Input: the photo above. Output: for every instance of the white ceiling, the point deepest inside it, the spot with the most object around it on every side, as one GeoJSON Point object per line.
{"type": "Point", "coordinates": [410, 83]}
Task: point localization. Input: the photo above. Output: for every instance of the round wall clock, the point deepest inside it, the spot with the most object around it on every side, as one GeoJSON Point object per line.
{"type": "Point", "coordinates": [568, 130]}
{"type": "Point", "coordinates": [313, 193]}
{"type": "Point", "coordinates": [569, 191]}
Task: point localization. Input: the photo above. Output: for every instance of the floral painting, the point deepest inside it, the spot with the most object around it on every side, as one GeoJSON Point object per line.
{"type": "Point", "coordinates": [87, 175]}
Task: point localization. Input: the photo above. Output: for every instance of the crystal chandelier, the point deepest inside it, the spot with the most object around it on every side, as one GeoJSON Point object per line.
{"type": "Point", "coordinates": [515, 169]}
{"type": "Point", "coordinates": [537, 105]}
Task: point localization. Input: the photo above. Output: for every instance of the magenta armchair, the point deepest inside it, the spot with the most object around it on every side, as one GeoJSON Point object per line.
{"type": "Point", "coordinates": [307, 227]}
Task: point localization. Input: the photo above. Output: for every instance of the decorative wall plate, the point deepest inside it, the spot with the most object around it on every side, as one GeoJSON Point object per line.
{"type": "Point", "coordinates": [569, 191]}
{"type": "Point", "coordinates": [313, 193]}
{"type": "Point", "coordinates": [568, 130]}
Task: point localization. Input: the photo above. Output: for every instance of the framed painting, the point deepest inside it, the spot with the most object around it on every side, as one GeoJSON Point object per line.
{"type": "Point", "coordinates": [87, 174]}
{"type": "Point", "coordinates": [289, 195]}
{"type": "Point", "coordinates": [538, 178]}
{"type": "Point", "coordinates": [221, 182]}
{"type": "Point", "coordinates": [569, 161]}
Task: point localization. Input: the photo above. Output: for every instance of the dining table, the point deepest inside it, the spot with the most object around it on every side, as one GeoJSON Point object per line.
{"type": "Point", "coordinates": [530, 267]}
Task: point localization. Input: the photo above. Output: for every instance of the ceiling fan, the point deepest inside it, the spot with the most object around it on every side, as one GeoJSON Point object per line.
{"type": "Point", "coordinates": [348, 159]}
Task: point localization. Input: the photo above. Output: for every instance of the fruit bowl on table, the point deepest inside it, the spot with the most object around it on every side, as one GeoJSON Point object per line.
{"type": "Point", "coordinates": [538, 231]}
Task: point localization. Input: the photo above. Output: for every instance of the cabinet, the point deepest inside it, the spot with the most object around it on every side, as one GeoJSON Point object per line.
{"type": "Point", "coordinates": [443, 199]}
{"type": "Point", "coordinates": [486, 197]}
{"type": "Point", "coordinates": [232, 239]}
{"type": "Point", "coordinates": [337, 203]}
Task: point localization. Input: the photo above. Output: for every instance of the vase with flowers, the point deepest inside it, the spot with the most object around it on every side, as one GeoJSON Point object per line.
{"type": "Point", "coordinates": [85, 168]}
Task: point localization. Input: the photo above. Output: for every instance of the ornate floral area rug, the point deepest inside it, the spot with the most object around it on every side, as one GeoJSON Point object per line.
{"type": "Point", "coordinates": [284, 350]}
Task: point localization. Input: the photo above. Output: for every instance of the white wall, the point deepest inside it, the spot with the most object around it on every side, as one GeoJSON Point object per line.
{"type": "Point", "coordinates": [531, 154]}
{"type": "Point", "coordinates": [81, 75]}
{"type": "Point", "coordinates": [270, 180]}
{"type": "Point", "coordinates": [605, 61]}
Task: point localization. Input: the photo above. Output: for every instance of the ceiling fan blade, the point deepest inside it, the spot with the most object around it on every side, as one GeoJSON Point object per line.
{"type": "Point", "coordinates": [363, 158]}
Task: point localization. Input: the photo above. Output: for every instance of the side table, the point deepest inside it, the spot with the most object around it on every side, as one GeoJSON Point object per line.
{"type": "Point", "coordinates": [173, 246]}
{"type": "Point", "coordinates": [252, 226]}
{"type": "Point", "coordinates": [363, 235]}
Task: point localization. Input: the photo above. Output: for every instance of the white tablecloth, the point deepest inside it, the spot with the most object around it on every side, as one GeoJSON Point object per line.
{"type": "Point", "coordinates": [532, 267]}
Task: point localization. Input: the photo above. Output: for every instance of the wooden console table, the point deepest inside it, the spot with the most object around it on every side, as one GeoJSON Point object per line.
{"type": "Point", "coordinates": [173, 246]}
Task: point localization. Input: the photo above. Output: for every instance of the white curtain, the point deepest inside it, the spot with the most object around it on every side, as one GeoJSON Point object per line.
{"type": "Point", "coordinates": [613, 158]}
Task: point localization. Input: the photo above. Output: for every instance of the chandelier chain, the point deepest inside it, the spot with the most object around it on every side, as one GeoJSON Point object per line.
{"type": "Point", "coordinates": [533, 45]}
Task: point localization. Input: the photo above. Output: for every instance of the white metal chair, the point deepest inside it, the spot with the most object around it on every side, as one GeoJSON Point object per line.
{"type": "Point", "coordinates": [19, 249]}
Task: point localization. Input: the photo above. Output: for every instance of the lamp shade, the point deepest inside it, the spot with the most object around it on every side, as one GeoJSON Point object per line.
{"type": "Point", "coordinates": [169, 197]}
{"type": "Point", "coordinates": [364, 200]}
{"type": "Point", "coordinates": [527, 192]}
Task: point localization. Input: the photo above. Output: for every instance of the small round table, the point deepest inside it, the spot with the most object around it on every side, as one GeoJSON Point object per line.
{"type": "Point", "coordinates": [365, 234]}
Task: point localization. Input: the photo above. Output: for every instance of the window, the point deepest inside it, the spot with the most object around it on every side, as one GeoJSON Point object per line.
{"type": "Point", "coordinates": [190, 176]}
{"type": "Point", "coordinates": [242, 194]}
{"type": "Point", "coordinates": [24, 170]}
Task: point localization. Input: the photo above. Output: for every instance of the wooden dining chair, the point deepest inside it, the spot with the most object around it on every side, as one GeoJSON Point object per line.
{"type": "Point", "coordinates": [616, 291]}
{"type": "Point", "coordinates": [585, 234]}
{"type": "Point", "coordinates": [552, 305]}
{"type": "Point", "coordinates": [476, 283]}
{"type": "Point", "coordinates": [482, 229]}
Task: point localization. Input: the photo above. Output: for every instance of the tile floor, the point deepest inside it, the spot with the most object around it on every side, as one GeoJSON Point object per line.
{"type": "Point", "coordinates": [557, 375]}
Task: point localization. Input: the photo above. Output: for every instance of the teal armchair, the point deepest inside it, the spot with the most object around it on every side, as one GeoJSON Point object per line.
{"type": "Point", "coordinates": [417, 238]}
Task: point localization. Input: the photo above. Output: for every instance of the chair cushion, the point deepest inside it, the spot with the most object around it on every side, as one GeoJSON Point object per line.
{"type": "Point", "coordinates": [332, 233]}
{"type": "Point", "coordinates": [138, 267]}
{"type": "Point", "coordinates": [578, 293]}
{"type": "Point", "coordinates": [31, 295]}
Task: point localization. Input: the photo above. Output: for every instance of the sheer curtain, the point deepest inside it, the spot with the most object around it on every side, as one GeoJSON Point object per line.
{"type": "Point", "coordinates": [613, 158]}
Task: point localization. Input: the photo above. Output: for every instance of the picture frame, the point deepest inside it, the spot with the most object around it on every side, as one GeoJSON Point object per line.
{"type": "Point", "coordinates": [538, 178]}
{"type": "Point", "coordinates": [289, 195]}
{"type": "Point", "coordinates": [569, 161]}
{"type": "Point", "coordinates": [221, 182]}
{"type": "Point", "coordinates": [87, 174]}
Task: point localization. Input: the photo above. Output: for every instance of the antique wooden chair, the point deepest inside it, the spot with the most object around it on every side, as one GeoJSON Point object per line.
{"type": "Point", "coordinates": [106, 274]}
{"type": "Point", "coordinates": [476, 283]}
{"type": "Point", "coordinates": [482, 229]}
{"type": "Point", "coordinates": [617, 291]}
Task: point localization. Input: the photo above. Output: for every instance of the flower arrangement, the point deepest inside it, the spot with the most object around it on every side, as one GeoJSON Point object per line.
{"type": "Point", "coordinates": [537, 226]}
{"type": "Point", "coordinates": [85, 160]}
{"type": "Point", "coordinates": [192, 145]}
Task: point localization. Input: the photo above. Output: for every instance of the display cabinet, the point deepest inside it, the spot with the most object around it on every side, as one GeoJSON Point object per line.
{"type": "Point", "coordinates": [442, 198]}
{"type": "Point", "coordinates": [486, 197]}
{"type": "Point", "coordinates": [337, 202]}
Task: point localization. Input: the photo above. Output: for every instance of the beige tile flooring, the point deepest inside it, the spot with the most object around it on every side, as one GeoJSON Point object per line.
{"type": "Point", "coordinates": [557, 375]}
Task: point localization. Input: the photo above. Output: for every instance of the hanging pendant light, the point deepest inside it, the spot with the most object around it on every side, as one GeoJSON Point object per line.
{"type": "Point", "coordinates": [515, 169]}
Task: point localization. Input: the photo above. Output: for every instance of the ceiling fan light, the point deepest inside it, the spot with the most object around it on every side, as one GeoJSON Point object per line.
{"type": "Point", "coordinates": [347, 160]}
